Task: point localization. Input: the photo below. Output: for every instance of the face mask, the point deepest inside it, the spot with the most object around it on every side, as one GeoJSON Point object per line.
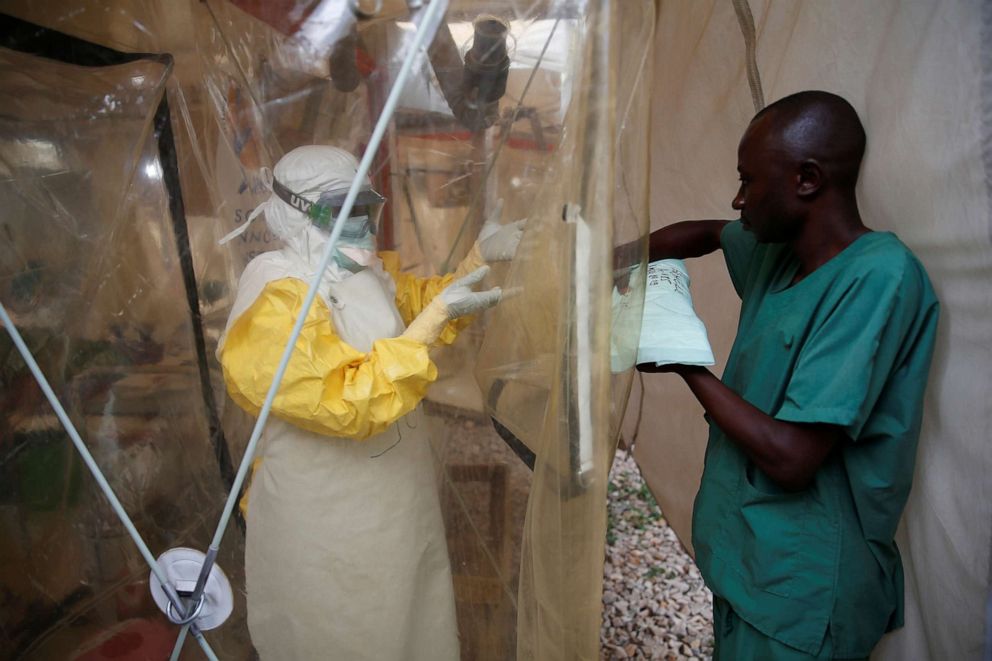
{"type": "Point", "coordinates": [353, 259]}
{"type": "Point", "coordinates": [358, 231]}
{"type": "Point", "coordinates": [355, 248]}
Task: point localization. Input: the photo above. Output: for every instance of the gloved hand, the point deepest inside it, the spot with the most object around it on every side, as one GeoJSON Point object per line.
{"type": "Point", "coordinates": [456, 300]}
{"type": "Point", "coordinates": [499, 242]}
{"type": "Point", "coordinates": [495, 243]}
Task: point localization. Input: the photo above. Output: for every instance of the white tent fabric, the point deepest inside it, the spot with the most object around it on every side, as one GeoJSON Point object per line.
{"type": "Point", "coordinates": [920, 75]}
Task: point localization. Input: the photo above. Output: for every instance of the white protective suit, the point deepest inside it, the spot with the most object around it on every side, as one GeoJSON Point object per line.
{"type": "Point", "coordinates": [345, 555]}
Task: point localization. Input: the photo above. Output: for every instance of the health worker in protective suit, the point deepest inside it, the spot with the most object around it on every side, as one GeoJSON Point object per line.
{"type": "Point", "coordinates": [345, 556]}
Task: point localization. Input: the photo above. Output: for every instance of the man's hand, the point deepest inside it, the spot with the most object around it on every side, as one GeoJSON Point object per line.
{"type": "Point", "coordinates": [789, 453]}
{"type": "Point", "coordinates": [621, 279]}
{"type": "Point", "coordinates": [667, 368]}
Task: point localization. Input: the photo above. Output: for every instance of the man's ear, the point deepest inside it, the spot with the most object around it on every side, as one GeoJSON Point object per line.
{"type": "Point", "coordinates": [809, 180]}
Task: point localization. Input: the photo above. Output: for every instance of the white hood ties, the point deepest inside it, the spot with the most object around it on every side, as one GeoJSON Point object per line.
{"type": "Point", "coordinates": [267, 179]}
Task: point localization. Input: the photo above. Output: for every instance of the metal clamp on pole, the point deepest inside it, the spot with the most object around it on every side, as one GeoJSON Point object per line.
{"type": "Point", "coordinates": [175, 619]}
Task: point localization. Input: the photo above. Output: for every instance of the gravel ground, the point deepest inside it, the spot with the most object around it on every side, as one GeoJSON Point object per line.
{"type": "Point", "coordinates": [655, 605]}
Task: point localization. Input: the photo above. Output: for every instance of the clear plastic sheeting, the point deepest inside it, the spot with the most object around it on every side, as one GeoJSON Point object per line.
{"type": "Point", "coordinates": [545, 366]}
{"type": "Point", "coordinates": [92, 275]}
{"type": "Point", "coordinates": [134, 137]}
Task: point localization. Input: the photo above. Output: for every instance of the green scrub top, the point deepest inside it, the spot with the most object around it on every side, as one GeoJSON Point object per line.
{"type": "Point", "coordinates": [849, 345]}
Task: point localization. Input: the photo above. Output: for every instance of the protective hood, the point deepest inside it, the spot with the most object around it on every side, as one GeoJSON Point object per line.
{"type": "Point", "coordinates": [306, 174]}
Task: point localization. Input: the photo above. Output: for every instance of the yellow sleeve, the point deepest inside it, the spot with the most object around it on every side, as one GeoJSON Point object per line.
{"type": "Point", "coordinates": [329, 387]}
{"type": "Point", "coordinates": [413, 294]}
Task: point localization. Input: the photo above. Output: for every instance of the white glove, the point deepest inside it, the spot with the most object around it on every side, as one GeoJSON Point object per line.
{"type": "Point", "coordinates": [456, 300]}
{"type": "Point", "coordinates": [498, 242]}
{"type": "Point", "coordinates": [460, 300]}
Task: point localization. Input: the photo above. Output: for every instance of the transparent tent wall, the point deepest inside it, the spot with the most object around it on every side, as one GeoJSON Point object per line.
{"type": "Point", "coordinates": [247, 85]}
{"type": "Point", "coordinates": [93, 278]}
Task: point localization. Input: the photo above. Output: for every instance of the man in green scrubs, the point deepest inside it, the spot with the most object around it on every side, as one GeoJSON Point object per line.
{"type": "Point", "coordinates": [814, 425]}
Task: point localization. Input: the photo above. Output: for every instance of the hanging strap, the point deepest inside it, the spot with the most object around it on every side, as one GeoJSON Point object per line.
{"type": "Point", "coordinates": [746, 20]}
{"type": "Point", "coordinates": [256, 212]}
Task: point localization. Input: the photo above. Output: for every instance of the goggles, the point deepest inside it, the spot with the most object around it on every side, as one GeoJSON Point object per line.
{"type": "Point", "coordinates": [322, 212]}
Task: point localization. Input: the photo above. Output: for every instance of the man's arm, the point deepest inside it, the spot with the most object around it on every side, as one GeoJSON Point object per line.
{"type": "Point", "coordinates": [787, 452]}
{"type": "Point", "coordinates": [689, 238]}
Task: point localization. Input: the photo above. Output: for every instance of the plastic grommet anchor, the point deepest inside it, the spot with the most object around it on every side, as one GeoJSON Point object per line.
{"type": "Point", "coordinates": [182, 567]}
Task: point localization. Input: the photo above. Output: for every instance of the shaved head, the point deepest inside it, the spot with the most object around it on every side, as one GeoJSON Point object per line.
{"type": "Point", "coordinates": [819, 126]}
{"type": "Point", "coordinates": [799, 160]}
